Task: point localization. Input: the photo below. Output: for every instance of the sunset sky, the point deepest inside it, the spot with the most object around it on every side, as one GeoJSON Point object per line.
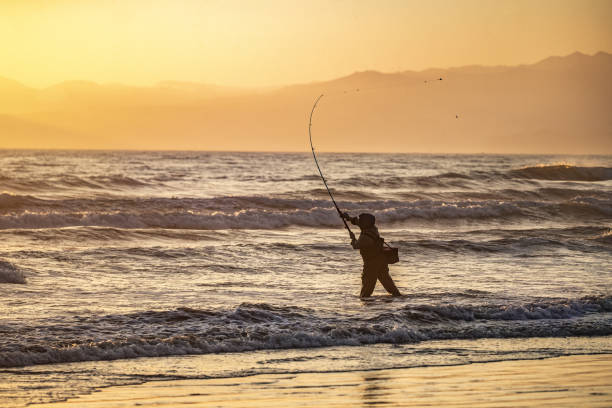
{"type": "Point", "coordinates": [273, 42]}
{"type": "Point", "coordinates": [90, 74]}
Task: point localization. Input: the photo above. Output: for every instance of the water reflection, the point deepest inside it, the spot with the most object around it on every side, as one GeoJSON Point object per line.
{"type": "Point", "coordinates": [375, 391]}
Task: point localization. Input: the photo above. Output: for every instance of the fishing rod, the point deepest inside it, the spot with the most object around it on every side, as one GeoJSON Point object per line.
{"type": "Point", "coordinates": [319, 168]}
{"type": "Point", "coordinates": [314, 106]}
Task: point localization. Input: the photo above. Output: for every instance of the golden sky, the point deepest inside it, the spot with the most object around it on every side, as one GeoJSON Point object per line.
{"type": "Point", "coordinates": [273, 42]}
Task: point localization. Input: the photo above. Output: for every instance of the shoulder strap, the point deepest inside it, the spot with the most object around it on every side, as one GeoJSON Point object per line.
{"type": "Point", "coordinates": [377, 238]}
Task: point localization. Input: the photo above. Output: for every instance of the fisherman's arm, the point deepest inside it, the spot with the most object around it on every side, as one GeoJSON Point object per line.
{"type": "Point", "coordinates": [352, 220]}
{"type": "Point", "coordinates": [353, 240]}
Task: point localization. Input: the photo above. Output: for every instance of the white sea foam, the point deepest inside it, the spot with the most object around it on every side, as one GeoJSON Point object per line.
{"type": "Point", "coordinates": [263, 326]}
{"type": "Point", "coordinates": [307, 214]}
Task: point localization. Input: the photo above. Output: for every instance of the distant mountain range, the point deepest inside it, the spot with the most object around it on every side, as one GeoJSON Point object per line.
{"type": "Point", "coordinates": [558, 105]}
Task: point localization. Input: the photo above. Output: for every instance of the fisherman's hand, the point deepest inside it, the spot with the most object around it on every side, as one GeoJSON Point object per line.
{"type": "Point", "coordinates": [346, 216]}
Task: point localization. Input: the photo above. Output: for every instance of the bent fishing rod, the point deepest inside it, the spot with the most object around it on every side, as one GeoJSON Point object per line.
{"type": "Point", "coordinates": [314, 106]}
{"type": "Point", "coordinates": [319, 168]}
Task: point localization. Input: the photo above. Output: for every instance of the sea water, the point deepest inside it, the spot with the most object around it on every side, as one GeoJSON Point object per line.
{"type": "Point", "coordinates": [123, 267]}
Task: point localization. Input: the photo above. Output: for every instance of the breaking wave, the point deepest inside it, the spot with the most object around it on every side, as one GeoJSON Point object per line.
{"type": "Point", "coordinates": [475, 178]}
{"type": "Point", "coordinates": [563, 172]}
{"type": "Point", "coordinates": [505, 245]}
{"type": "Point", "coordinates": [263, 326]}
{"type": "Point", "coordinates": [269, 213]}
{"type": "Point", "coordinates": [605, 237]}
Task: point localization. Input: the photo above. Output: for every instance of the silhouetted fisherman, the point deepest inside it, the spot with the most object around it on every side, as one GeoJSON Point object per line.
{"type": "Point", "coordinates": [370, 246]}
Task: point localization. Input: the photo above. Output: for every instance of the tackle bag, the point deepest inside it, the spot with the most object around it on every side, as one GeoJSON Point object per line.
{"type": "Point", "coordinates": [391, 254]}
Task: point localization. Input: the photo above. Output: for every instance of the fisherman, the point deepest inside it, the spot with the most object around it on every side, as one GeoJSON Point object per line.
{"type": "Point", "coordinates": [370, 246]}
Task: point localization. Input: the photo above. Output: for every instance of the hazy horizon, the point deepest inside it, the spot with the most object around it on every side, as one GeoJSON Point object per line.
{"type": "Point", "coordinates": [259, 88]}
{"type": "Point", "coordinates": [559, 105]}
{"type": "Point", "coordinates": [309, 153]}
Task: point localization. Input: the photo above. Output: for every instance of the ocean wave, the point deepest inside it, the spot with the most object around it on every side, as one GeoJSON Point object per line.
{"type": "Point", "coordinates": [300, 199]}
{"type": "Point", "coordinates": [559, 309]}
{"type": "Point", "coordinates": [605, 237]}
{"type": "Point", "coordinates": [70, 182]}
{"type": "Point", "coordinates": [343, 195]}
{"type": "Point", "coordinates": [396, 182]}
{"type": "Point", "coordinates": [117, 180]}
{"type": "Point", "coordinates": [251, 219]}
{"type": "Point", "coordinates": [277, 179]}
{"type": "Point", "coordinates": [271, 213]}
{"type": "Point", "coordinates": [541, 194]}
{"type": "Point", "coordinates": [102, 234]}
{"type": "Point", "coordinates": [563, 172]}
{"type": "Point", "coordinates": [9, 273]}
{"type": "Point", "coordinates": [512, 242]}
{"type": "Point", "coordinates": [493, 246]}
{"type": "Point", "coordinates": [166, 204]}
{"type": "Point", "coordinates": [262, 326]}
{"type": "Point", "coordinates": [475, 178]}
{"type": "Point", "coordinates": [10, 202]}
{"type": "Point", "coordinates": [576, 231]}
{"type": "Point", "coordinates": [573, 239]}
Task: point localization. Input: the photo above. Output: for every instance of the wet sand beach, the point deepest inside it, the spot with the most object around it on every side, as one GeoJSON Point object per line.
{"type": "Point", "coordinates": [570, 381]}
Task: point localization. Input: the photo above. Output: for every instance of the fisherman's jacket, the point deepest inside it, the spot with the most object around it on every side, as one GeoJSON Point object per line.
{"type": "Point", "coordinates": [370, 246]}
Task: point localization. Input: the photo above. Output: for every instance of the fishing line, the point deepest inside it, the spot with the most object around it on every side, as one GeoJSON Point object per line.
{"type": "Point", "coordinates": [363, 90]}
{"type": "Point", "coordinates": [319, 168]}
{"type": "Point", "coordinates": [345, 92]}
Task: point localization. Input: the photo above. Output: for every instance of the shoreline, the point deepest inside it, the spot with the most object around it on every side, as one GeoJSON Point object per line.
{"type": "Point", "coordinates": [573, 380]}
